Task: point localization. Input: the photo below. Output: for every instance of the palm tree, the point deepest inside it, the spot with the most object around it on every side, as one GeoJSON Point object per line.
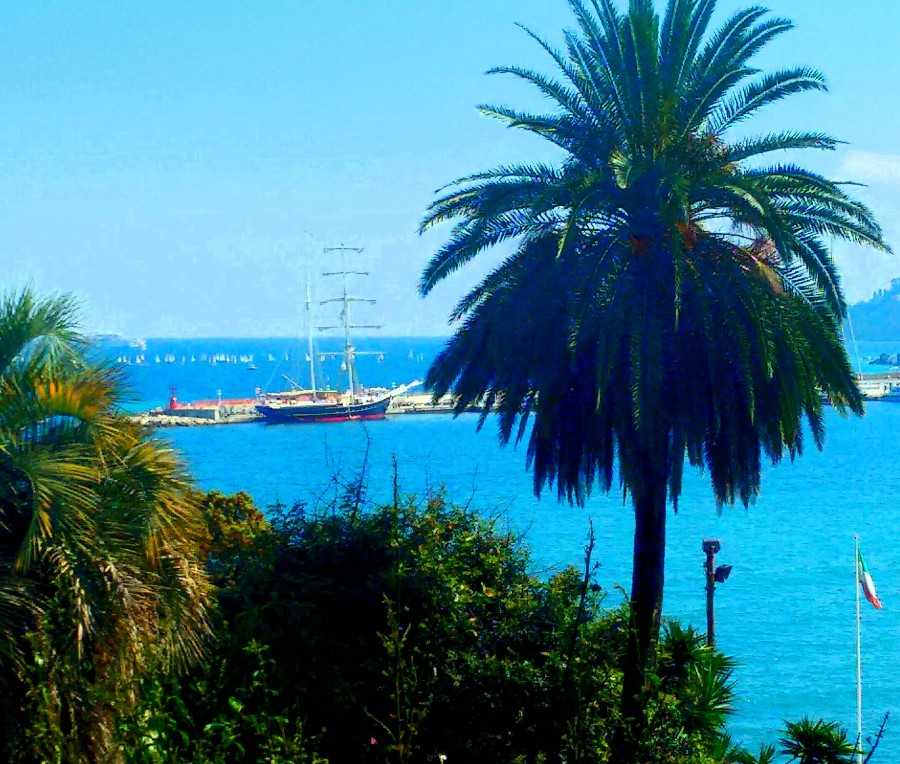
{"type": "Point", "coordinates": [670, 294]}
{"type": "Point", "coordinates": [817, 742]}
{"type": "Point", "coordinates": [98, 537]}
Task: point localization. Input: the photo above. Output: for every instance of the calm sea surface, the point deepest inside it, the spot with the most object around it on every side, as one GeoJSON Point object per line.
{"type": "Point", "coordinates": [787, 611]}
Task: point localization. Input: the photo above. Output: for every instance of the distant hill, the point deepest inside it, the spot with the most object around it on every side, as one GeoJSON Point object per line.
{"type": "Point", "coordinates": [879, 317]}
{"type": "Point", "coordinates": [114, 341]}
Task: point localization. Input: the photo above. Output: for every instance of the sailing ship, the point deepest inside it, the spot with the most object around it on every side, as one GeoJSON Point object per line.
{"type": "Point", "coordinates": [315, 405]}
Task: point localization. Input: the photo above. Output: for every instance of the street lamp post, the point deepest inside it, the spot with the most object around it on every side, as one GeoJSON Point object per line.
{"type": "Point", "coordinates": [713, 575]}
{"type": "Point", "coordinates": [711, 546]}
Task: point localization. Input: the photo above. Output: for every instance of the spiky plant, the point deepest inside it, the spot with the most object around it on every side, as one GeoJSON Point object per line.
{"type": "Point", "coordinates": [699, 676]}
{"type": "Point", "coordinates": [814, 741]}
{"type": "Point", "coordinates": [97, 535]}
{"type": "Point", "coordinates": [671, 294]}
{"type": "Point", "coordinates": [738, 755]}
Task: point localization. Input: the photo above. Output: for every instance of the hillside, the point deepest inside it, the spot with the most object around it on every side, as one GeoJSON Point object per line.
{"type": "Point", "coordinates": [879, 317]}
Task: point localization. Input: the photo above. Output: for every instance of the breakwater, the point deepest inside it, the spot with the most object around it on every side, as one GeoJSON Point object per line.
{"type": "Point", "coordinates": [878, 387]}
{"type": "Point", "coordinates": [242, 411]}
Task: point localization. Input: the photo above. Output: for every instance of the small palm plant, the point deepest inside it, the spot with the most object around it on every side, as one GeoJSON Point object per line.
{"type": "Point", "coordinates": [699, 676]}
{"type": "Point", "coordinates": [766, 755]}
{"type": "Point", "coordinates": [817, 742]}
{"type": "Point", "coordinates": [670, 295]}
{"type": "Point", "coordinates": [98, 538]}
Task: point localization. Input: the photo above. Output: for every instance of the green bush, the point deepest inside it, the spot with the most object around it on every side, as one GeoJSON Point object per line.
{"type": "Point", "coordinates": [407, 631]}
{"type": "Point", "coordinates": [399, 633]}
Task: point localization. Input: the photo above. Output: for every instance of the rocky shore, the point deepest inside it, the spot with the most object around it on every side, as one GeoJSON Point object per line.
{"type": "Point", "coordinates": [160, 419]}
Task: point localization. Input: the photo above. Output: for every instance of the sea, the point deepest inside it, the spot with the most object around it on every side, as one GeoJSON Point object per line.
{"type": "Point", "coordinates": [787, 612]}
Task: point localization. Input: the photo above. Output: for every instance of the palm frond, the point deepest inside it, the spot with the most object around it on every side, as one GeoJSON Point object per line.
{"type": "Point", "coordinates": [771, 88]}
{"type": "Point", "coordinates": [97, 531]}
{"type": "Point", "coordinates": [785, 141]}
{"type": "Point", "coordinates": [471, 238]}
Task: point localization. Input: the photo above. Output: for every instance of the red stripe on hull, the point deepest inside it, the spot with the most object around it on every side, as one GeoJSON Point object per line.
{"type": "Point", "coordinates": [342, 418]}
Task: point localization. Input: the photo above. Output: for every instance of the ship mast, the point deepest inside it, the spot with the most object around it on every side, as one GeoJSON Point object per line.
{"type": "Point", "coordinates": [312, 360]}
{"type": "Point", "coordinates": [345, 300]}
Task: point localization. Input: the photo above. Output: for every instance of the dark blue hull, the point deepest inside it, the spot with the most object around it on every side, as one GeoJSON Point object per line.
{"type": "Point", "coordinates": [312, 413]}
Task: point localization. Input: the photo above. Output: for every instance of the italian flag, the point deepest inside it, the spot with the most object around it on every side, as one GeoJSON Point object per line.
{"type": "Point", "coordinates": [866, 582]}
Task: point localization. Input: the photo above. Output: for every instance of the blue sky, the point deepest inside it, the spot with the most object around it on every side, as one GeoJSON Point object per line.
{"type": "Point", "coordinates": [179, 166]}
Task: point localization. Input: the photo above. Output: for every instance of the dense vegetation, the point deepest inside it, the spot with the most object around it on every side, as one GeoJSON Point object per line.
{"type": "Point", "coordinates": [393, 634]}
{"type": "Point", "coordinates": [670, 295]}
{"type": "Point", "coordinates": [98, 575]}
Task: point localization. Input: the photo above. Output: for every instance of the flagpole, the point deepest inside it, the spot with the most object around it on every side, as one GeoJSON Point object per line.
{"type": "Point", "coordinates": [859, 756]}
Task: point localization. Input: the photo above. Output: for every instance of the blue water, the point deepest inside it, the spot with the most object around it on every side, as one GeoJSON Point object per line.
{"type": "Point", "coordinates": [380, 361]}
{"type": "Point", "coordinates": [787, 611]}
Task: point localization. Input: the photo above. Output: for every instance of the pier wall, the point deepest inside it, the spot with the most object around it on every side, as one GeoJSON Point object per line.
{"type": "Point", "coordinates": [194, 413]}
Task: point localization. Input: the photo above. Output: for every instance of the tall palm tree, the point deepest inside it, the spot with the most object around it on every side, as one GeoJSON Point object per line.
{"type": "Point", "coordinates": [670, 294]}
{"type": "Point", "coordinates": [98, 536]}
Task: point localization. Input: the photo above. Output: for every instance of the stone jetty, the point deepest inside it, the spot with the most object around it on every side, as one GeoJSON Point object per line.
{"type": "Point", "coordinates": [241, 412]}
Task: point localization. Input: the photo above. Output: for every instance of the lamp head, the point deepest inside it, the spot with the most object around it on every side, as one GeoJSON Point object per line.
{"type": "Point", "coordinates": [722, 573]}
{"type": "Point", "coordinates": [711, 546]}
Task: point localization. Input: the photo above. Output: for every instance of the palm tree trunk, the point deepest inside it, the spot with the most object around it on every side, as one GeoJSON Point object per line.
{"type": "Point", "coordinates": [646, 595]}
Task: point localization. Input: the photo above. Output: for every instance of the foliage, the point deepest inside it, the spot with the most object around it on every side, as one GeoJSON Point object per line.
{"type": "Point", "coordinates": [699, 676]}
{"type": "Point", "coordinates": [400, 624]}
{"type": "Point", "coordinates": [249, 725]}
{"type": "Point", "coordinates": [811, 741]}
{"type": "Point", "coordinates": [391, 634]}
{"type": "Point", "coordinates": [393, 628]}
{"type": "Point", "coordinates": [99, 560]}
